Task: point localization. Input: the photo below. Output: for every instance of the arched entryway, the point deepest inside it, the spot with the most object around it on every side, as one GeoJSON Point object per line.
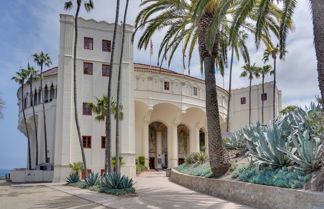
{"type": "Point", "coordinates": [158, 146]}
{"type": "Point", "coordinates": [202, 140]}
{"type": "Point", "coordinates": [183, 143]}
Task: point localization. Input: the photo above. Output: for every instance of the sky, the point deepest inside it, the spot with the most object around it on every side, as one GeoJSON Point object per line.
{"type": "Point", "coordinates": [30, 26]}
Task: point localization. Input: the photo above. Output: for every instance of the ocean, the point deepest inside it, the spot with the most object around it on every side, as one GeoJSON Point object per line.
{"type": "Point", "coordinates": [4, 171]}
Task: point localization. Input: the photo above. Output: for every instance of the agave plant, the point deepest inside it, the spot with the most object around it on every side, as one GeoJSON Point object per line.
{"type": "Point", "coordinates": [116, 181]}
{"type": "Point", "coordinates": [91, 179]}
{"type": "Point", "coordinates": [72, 178]}
{"type": "Point", "coordinates": [196, 158]}
{"type": "Point", "coordinates": [235, 140]}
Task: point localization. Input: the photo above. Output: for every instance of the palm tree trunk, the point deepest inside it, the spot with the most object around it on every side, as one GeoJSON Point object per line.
{"type": "Point", "coordinates": [274, 87]}
{"type": "Point", "coordinates": [75, 87]}
{"type": "Point", "coordinates": [217, 158]}
{"type": "Point", "coordinates": [118, 91]}
{"type": "Point", "coordinates": [250, 103]}
{"type": "Point", "coordinates": [318, 25]}
{"type": "Point", "coordinates": [108, 118]}
{"type": "Point", "coordinates": [25, 121]}
{"type": "Point", "coordinates": [262, 100]}
{"type": "Point", "coordinates": [229, 92]}
{"type": "Point", "coordinates": [44, 115]}
{"type": "Point", "coordinates": [34, 116]}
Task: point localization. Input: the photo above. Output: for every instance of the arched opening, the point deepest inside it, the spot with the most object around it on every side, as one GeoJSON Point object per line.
{"type": "Point", "coordinates": [183, 143]}
{"type": "Point", "coordinates": [51, 93]}
{"type": "Point", "coordinates": [46, 94]}
{"type": "Point", "coordinates": [39, 95]}
{"type": "Point", "coordinates": [35, 97]}
{"type": "Point", "coordinates": [202, 140]}
{"type": "Point", "coordinates": [158, 146]}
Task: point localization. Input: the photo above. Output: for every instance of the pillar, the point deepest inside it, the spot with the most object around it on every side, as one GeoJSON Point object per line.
{"type": "Point", "coordinates": [158, 149]}
{"type": "Point", "coordinates": [146, 143]}
{"type": "Point", "coordinates": [173, 145]}
{"type": "Point", "coordinates": [194, 140]}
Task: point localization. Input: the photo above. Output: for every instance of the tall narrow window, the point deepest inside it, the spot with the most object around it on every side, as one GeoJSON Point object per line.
{"type": "Point", "coordinates": [105, 70]}
{"type": "Point", "coordinates": [106, 45]}
{"type": "Point", "coordinates": [88, 43]}
{"type": "Point", "coordinates": [39, 95]}
{"type": "Point", "coordinates": [243, 100]}
{"type": "Point", "coordinates": [52, 92]}
{"type": "Point", "coordinates": [46, 94]}
{"type": "Point", "coordinates": [85, 109]}
{"type": "Point", "coordinates": [86, 141]}
{"type": "Point", "coordinates": [87, 68]}
{"type": "Point", "coordinates": [103, 142]}
{"type": "Point", "coordinates": [264, 97]}
{"type": "Point", "coordinates": [35, 97]}
{"type": "Point", "coordinates": [195, 91]}
{"type": "Point", "coordinates": [166, 85]}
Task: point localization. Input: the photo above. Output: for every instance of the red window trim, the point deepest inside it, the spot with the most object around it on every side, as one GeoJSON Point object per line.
{"type": "Point", "coordinates": [87, 147]}
{"type": "Point", "coordinates": [243, 100]}
{"type": "Point", "coordinates": [102, 46]}
{"type": "Point", "coordinates": [84, 43]}
{"type": "Point", "coordinates": [102, 70]}
{"type": "Point", "coordinates": [103, 147]}
{"type": "Point", "coordinates": [91, 68]}
{"type": "Point", "coordinates": [83, 103]}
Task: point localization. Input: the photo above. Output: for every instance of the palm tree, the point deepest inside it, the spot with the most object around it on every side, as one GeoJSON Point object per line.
{"type": "Point", "coordinates": [251, 72]}
{"type": "Point", "coordinates": [88, 6]}
{"type": "Point", "coordinates": [33, 75]}
{"type": "Point", "coordinates": [42, 59]}
{"type": "Point", "coordinates": [100, 108]}
{"type": "Point", "coordinates": [190, 21]}
{"type": "Point", "coordinates": [20, 78]}
{"type": "Point", "coordinates": [238, 46]}
{"type": "Point", "coordinates": [76, 167]}
{"type": "Point", "coordinates": [118, 90]}
{"type": "Point", "coordinates": [108, 159]}
{"type": "Point", "coordinates": [263, 71]}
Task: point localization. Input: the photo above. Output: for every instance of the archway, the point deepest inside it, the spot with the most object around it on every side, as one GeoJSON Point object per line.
{"type": "Point", "coordinates": [183, 143]}
{"type": "Point", "coordinates": [202, 140]}
{"type": "Point", "coordinates": [158, 146]}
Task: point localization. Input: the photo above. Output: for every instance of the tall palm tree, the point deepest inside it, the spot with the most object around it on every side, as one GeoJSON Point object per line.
{"type": "Point", "coordinates": [190, 21]}
{"type": "Point", "coordinates": [250, 71]}
{"type": "Point", "coordinates": [20, 78]}
{"type": "Point", "coordinates": [263, 71]}
{"type": "Point", "coordinates": [118, 89]}
{"type": "Point", "coordinates": [108, 164]}
{"type": "Point", "coordinates": [42, 60]}
{"type": "Point", "coordinates": [100, 108]}
{"type": "Point", "coordinates": [88, 6]}
{"type": "Point", "coordinates": [33, 75]}
{"type": "Point", "coordinates": [238, 46]}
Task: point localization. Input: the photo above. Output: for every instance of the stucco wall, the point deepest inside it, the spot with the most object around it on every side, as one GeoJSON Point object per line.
{"type": "Point", "coordinates": [259, 196]}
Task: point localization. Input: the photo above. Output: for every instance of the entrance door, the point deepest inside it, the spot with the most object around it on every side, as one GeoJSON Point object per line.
{"type": "Point", "coordinates": [152, 163]}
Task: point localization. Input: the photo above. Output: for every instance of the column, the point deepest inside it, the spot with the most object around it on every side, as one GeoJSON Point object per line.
{"type": "Point", "coordinates": [194, 140]}
{"type": "Point", "coordinates": [146, 136]}
{"type": "Point", "coordinates": [173, 145]}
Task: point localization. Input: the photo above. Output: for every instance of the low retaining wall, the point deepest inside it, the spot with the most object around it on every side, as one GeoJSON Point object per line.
{"type": "Point", "coordinates": [254, 195]}
{"type": "Point", "coordinates": [22, 176]}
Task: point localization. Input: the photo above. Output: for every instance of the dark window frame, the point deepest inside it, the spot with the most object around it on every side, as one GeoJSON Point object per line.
{"type": "Point", "coordinates": [264, 97]}
{"type": "Point", "coordinates": [103, 142]}
{"type": "Point", "coordinates": [243, 100]}
{"type": "Point", "coordinates": [166, 86]}
{"type": "Point", "coordinates": [102, 70]}
{"type": "Point", "coordinates": [87, 63]}
{"type": "Point", "coordinates": [87, 142]}
{"type": "Point", "coordinates": [85, 45]}
{"type": "Point", "coordinates": [89, 112]}
{"type": "Point", "coordinates": [195, 91]}
{"type": "Point", "coordinates": [106, 47]}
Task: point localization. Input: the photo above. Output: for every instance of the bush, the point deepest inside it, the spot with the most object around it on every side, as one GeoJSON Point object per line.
{"type": "Point", "coordinates": [196, 158]}
{"type": "Point", "coordinates": [117, 192]}
{"type": "Point", "coordinates": [79, 184]}
{"type": "Point", "coordinates": [196, 169]}
{"type": "Point", "coordinates": [140, 168]}
{"type": "Point", "coordinates": [141, 160]}
{"type": "Point", "coordinates": [72, 178]}
{"type": "Point", "coordinates": [281, 177]}
{"type": "Point", "coordinates": [234, 141]}
{"type": "Point", "coordinates": [91, 179]}
{"type": "Point", "coordinates": [116, 181]}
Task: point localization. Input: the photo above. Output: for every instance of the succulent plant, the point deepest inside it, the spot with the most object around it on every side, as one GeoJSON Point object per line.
{"type": "Point", "coordinates": [72, 178]}
{"type": "Point", "coordinates": [91, 179]}
{"type": "Point", "coordinates": [116, 181]}
{"type": "Point", "coordinates": [196, 158]}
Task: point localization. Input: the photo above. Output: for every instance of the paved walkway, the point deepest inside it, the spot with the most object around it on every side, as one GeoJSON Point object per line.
{"type": "Point", "coordinates": [154, 191]}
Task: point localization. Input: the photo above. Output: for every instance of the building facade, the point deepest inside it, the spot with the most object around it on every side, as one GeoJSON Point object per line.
{"type": "Point", "coordinates": [164, 111]}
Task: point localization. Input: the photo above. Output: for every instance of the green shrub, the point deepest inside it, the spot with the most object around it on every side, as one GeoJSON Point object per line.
{"type": "Point", "coordinates": [116, 181]}
{"type": "Point", "coordinates": [79, 184]}
{"type": "Point", "coordinates": [196, 158]}
{"type": "Point", "coordinates": [141, 160]}
{"type": "Point", "coordinates": [91, 179]}
{"type": "Point", "coordinates": [117, 192]}
{"type": "Point", "coordinates": [281, 177]}
{"type": "Point", "coordinates": [196, 169]}
{"type": "Point", "coordinates": [140, 168]}
{"type": "Point", "coordinates": [235, 141]}
{"type": "Point", "coordinates": [72, 178]}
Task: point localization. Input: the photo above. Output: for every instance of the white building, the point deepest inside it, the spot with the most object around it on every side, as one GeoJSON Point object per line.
{"type": "Point", "coordinates": [164, 111]}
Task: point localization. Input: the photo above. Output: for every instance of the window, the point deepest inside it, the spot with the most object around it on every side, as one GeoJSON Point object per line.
{"type": "Point", "coordinates": [195, 91]}
{"type": "Point", "coordinates": [85, 109]}
{"type": "Point", "coordinates": [46, 94]}
{"type": "Point", "coordinates": [102, 172]}
{"type": "Point", "coordinates": [83, 174]}
{"type": "Point", "coordinates": [166, 85]}
{"type": "Point", "coordinates": [88, 43]}
{"type": "Point", "coordinates": [86, 141]}
{"type": "Point", "coordinates": [103, 142]}
{"type": "Point", "coordinates": [243, 100]}
{"type": "Point", "coordinates": [52, 92]}
{"type": "Point", "coordinates": [264, 97]}
{"type": "Point", "coordinates": [87, 68]}
{"type": "Point", "coordinates": [106, 46]}
{"type": "Point", "coordinates": [105, 70]}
